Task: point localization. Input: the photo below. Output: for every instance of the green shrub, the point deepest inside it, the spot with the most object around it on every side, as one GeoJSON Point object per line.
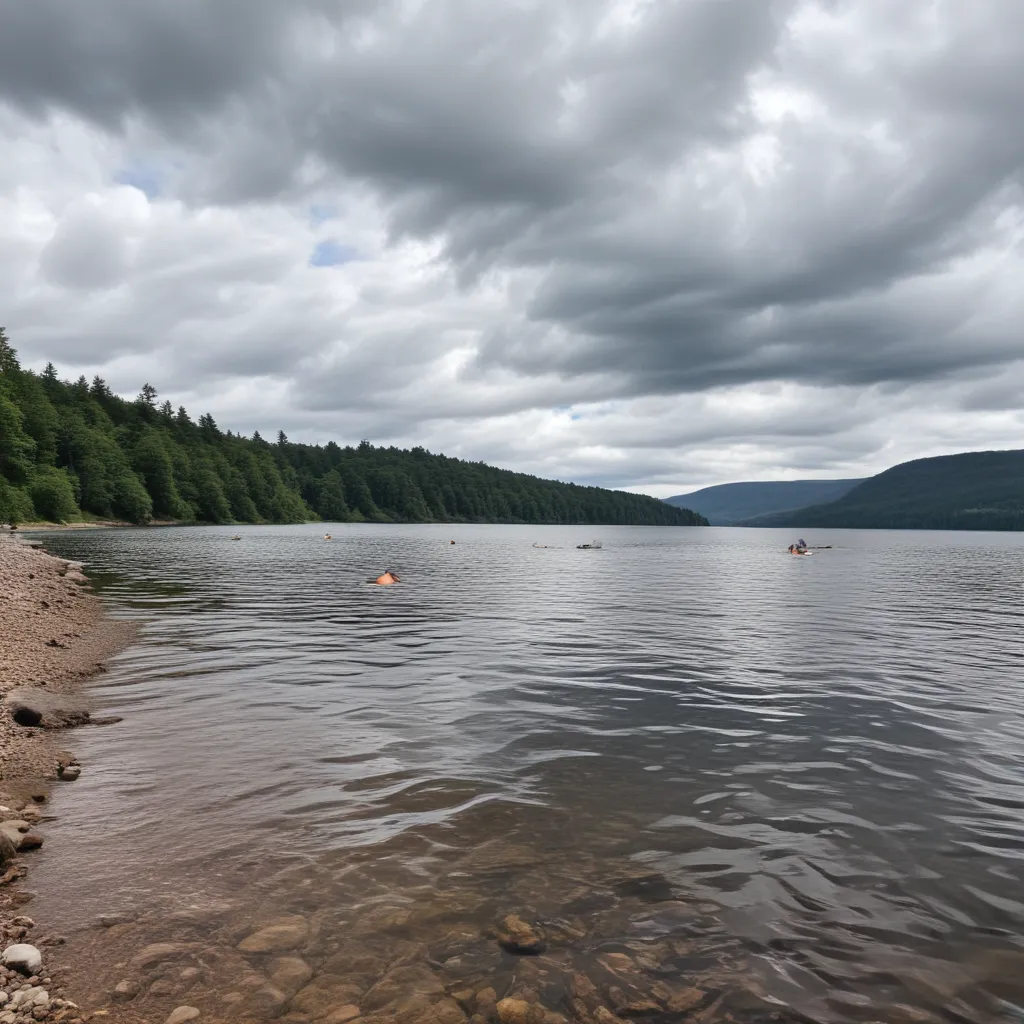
{"type": "Point", "coordinates": [53, 495]}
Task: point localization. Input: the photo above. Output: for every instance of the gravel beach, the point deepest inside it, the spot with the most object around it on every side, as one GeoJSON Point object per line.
{"type": "Point", "coordinates": [53, 634]}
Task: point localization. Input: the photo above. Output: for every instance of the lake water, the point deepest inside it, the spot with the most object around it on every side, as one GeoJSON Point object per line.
{"type": "Point", "coordinates": [689, 759]}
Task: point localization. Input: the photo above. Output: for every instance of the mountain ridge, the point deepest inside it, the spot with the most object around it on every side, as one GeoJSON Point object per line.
{"type": "Point", "coordinates": [981, 490]}
{"type": "Point", "coordinates": [730, 504]}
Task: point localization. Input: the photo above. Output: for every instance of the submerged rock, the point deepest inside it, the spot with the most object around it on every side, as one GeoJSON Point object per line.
{"type": "Point", "coordinates": [289, 973]}
{"type": "Point", "coordinates": [126, 990]}
{"type": "Point", "coordinates": [678, 1000]}
{"type": "Point", "coordinates": [605, 1016]}
{"type": "Point", "coordinates": [342, 1015]}
{"type": "Point", "coordinates": [487, 1003]}
{"type": "Point", "coordinates": [318, 997]}
{"type": "Point", "coordinates": [182, 1014]}
{"type": "Point", "coordinates": [447, 1011]}
{"type": "Point", "coordinates": [286, 933]}
{"type": "Point", "coordinates": [516, 936]}
{"type": "Point", "coordinates": [519, 1011]}
{"type": "Point", "coordinates": [632, 1004]}
{"type": "Point", "coordinates": [156, 952]}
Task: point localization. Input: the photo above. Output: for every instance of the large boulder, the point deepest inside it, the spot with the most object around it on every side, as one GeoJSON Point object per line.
{"type": "Point", "coordinates": [25, 715]}
{"type": "Point", "coordinates": [23, 958]}
{"type": "Point", "coordinates": [8, 849]}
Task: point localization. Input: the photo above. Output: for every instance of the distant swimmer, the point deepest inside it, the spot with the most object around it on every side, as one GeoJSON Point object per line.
{"type": "Point", "coordinates": [451, 542]}
{"type": "Point", "coordinates": [237, 536]}
{"type": "Point", "coordinates": [327, 536]}
{"type": "Point", "coordinates": [386, 579]}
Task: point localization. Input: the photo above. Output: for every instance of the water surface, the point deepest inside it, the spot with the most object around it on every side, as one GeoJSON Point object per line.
{"type": "Point", "coordinates": [794, 783]}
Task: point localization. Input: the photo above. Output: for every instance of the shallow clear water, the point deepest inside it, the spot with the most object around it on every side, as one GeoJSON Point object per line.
{"type": "Point", "coordinates": [793, 782]}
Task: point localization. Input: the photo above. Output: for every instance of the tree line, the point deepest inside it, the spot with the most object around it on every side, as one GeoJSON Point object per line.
{"type": "Point", "coordinates": [74, 450]}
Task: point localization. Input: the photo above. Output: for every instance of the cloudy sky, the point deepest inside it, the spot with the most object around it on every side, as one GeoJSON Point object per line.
{"type": "Point", "coordinates": [653, 244]}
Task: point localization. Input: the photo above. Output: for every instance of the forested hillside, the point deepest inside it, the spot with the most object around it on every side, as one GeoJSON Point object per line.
{"type": "Point", "coordinates": [73, 450]}
{"type": "Point", "coordinates": [729, 504]}
{"type": "Point", "coordinates": [972, 491]}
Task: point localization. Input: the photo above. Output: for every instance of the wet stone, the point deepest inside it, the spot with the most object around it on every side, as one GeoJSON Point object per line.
{"type": "Point", "coordinates": [678, 1000]}
{"type": "Point", "coordinates": [487, 1003]}
{"type": "Point", "coordinates": [156, 953]}
{"type": "Point", "coordinates": [182, 1014]}
{"type": "Point", "coordinates": [126, 990]}
{"type": "Point", "coordinates": [519, 1011]}
{"type": "Point", "coordinates": [446, 1011]}
{"type": "Point", "coordinates": [400, 983]}
{"type": "Point", "coordinates": [632, 1004]}
{"type": "Point", "coordinates": [517, 936]}
{"type": "Point", "coordinates": [342, 1015]}
{"type": "Point", "coordinates": [266, 1001]}
{"type": "Point", "coordinates": [602, 1015]}
{"type": "Point", "coordinates": [323, 995]}
{"type": "Point", "coordinates": [289, 973]}
{"type": "Point", "coordinates": [285, 933]}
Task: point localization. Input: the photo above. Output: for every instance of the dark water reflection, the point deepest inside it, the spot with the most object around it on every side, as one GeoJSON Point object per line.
{"type": "Point", "coordinates": [797, 784]}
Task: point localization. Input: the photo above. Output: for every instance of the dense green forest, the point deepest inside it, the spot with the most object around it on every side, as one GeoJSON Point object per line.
{"type": "Point", "coordinates": [75, 450]}
{"type": "Point", "coordinates": [972, 491]}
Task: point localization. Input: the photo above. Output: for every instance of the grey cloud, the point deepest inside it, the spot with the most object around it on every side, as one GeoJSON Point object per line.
{"type": "Point", "coordinates": [87, 251]}
{"type": "Point", "coordinates": [176, 62]}
{"type": "Point", "coordinates": [651, 223]}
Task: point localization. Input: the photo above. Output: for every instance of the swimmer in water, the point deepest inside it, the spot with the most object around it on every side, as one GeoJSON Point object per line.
{"type": "Point", "coordinates": [386, 579]}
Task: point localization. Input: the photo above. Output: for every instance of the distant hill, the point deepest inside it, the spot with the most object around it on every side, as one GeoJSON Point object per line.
{"type": "Point", "coordinates": [730, 504]}
{"type": "Point", "coordinates": [974, 491]}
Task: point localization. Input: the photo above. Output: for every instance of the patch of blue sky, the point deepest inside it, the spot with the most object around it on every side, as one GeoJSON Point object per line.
{"type": "Point", "coordinates": [147, 177]}
{"type": "Point", "coordinates": [331, 253]}
{"type": "Point", "coordinates": [320, 214]}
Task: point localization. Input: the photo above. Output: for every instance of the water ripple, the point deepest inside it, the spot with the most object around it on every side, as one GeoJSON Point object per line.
{"type": "Point", "coordinates": [829, 751]}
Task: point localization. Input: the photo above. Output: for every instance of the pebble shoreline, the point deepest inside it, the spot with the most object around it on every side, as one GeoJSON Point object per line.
{"type": "Point", "coordinates": [54, 635]}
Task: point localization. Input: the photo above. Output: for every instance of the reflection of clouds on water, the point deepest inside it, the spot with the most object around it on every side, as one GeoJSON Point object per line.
{"type": "Point", "coordinates": [825, 752]}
